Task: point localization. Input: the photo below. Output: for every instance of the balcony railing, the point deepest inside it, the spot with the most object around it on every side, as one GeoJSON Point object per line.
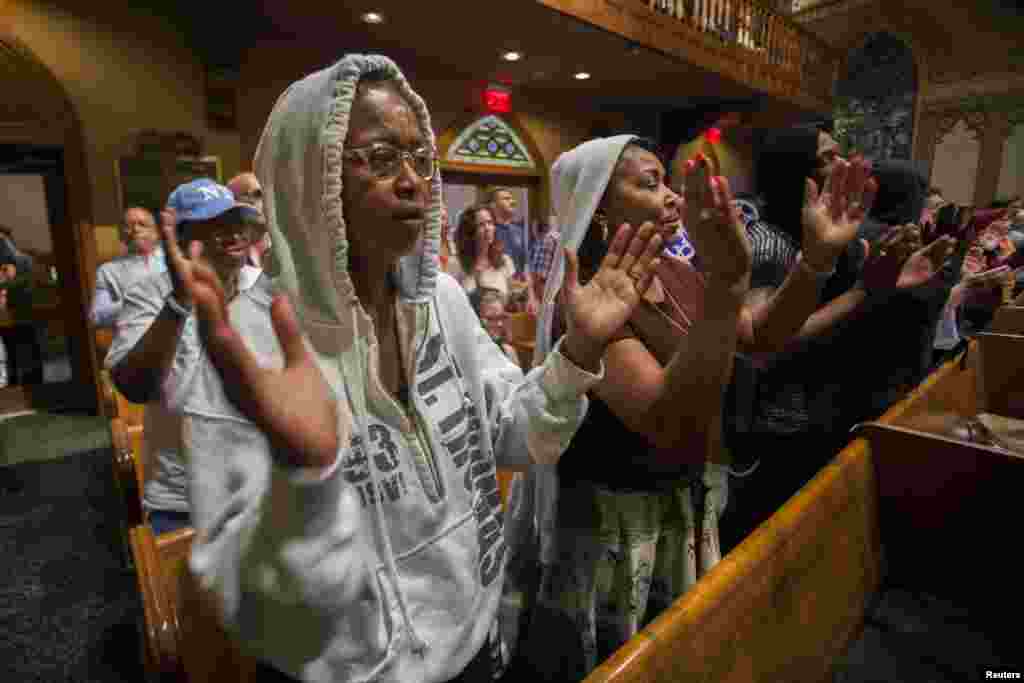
{"type": "Point", "coordinates": [752, 26]}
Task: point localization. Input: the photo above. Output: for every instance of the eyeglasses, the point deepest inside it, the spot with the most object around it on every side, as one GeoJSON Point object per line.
{"type": "Point", "coordinates": [231, 234]}
{"type": "Point", "coordinates": [385, 160]}
{"type": "Point", "coordinates": [253, 197]}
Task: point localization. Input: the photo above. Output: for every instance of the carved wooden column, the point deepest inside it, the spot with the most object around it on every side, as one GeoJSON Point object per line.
{"type": "Point", "coordinates": [990, 163]}
{"type": "Point", "coordinates": [934, 125]}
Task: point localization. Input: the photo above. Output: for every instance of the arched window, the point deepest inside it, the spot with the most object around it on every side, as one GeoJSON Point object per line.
{"type": "Point", "coordinates": [875, 99]}
{"type": "Point", "coordinates": [490, 141]}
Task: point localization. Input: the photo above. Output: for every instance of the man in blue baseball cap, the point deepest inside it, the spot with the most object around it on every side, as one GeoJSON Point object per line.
{"type": "Point", "coordinates": [209, 214]}
{"type": "Point", "coordinates": [156, 347]}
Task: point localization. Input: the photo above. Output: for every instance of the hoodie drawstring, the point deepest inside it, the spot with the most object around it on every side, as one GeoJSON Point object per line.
{"type": "Point", "coordinates": [419, 646]}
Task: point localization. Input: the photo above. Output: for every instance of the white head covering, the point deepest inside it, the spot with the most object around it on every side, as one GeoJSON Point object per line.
{"type": "Point", "coordinates": [579, 178]}
{"type": "Point", "coordinates": [299, 163]}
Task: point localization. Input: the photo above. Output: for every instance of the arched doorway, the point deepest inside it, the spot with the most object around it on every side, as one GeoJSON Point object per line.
{"type": "Point", "coordinates": [874, 103]}
{"type": "Point", "coordinates": [49, 217]}
{"type": "Point", "coordinates": [491, 150]}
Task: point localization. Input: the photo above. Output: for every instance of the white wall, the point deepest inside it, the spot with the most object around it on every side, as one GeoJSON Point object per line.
{"type": "Point", "coordinates": [1011, 175]}
{"type": "Point", "coordinates": [23, 210]}
{"type": "Point", "coordinates": [122, 77]}
{"type": "Point", "coordinates": [955, 170]}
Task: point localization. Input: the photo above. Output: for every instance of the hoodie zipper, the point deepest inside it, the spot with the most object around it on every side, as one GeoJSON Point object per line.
{"type": "Point", "coordinates": [423, 455]}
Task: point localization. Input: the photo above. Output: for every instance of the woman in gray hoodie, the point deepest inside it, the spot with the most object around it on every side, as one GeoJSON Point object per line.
{"type": "Point", "coordinates": [343, 439]}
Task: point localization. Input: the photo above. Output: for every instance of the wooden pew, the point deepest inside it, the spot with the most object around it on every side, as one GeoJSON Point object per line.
{"type": "Point", "coordinates": [182, 640]}
{"type": "Point", "coordinates": [1008, 320]}
{"type": "Point", "coordinates": [127, 436]}
{"type": "Point", "coordinates": [788, 601]}
{"type": "Point", "coordinates": [521, 330]}
{"type": "Point", "coordinates": [784, 604]}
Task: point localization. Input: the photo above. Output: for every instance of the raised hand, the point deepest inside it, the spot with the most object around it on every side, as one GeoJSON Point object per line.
{"type": "Point", "coordinates": [179, 267]}
{"type": "Point", "coordinates": [303, 428]}
{"type": "Point", "coordinates": [899, 262]}
{"type": "Point", "coordinates": [600, 309]}
{"type": "Point", "coordinates": [713, 223]}
{"type": "Point", "coordinates": [885, 260]}
{"type": "Point", "coordinates": [925, 263]}
{"type": "Point", "coordinates": [831, 219]}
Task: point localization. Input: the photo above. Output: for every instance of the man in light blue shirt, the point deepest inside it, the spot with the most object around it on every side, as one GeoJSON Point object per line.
{"type": "Point", "coordinates": [145, 257]}
{"type": "Point", "coordinates": [156, 350]}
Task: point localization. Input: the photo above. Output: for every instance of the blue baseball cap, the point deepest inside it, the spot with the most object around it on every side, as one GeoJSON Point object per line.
{"type": "Point", "coordinates": [203, 200]}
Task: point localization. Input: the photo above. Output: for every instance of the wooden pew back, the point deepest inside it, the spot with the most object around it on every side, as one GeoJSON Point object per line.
{"type": "Point", "coordinates": [521, 330]}
{"type": "Point", "coordinates": [949, 393]}
{"type": "Point", "coordinates": [785, 604]}
{"type": "Point", "coordinates": [1000, 369]}
{"type": "Point", "coordinates": [182, 638]}
{"type": "Point", "coordinates": [943, 504]}
{"type": "Point", "coordinates": [127, 437]}
{"type": "Point", "coordinates": [782, 605]}
{"type": "Point", "coordinates": [1008, 320]}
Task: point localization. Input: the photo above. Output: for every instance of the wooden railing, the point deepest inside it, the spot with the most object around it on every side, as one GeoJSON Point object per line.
{"type": "Point", "coordinates": [753, 26]}
{"type": "Point", "coordinates": [811, 11]}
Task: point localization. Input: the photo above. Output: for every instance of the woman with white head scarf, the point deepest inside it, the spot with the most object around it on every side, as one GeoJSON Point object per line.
{"type": "Point", "coordinates": [616, 519]}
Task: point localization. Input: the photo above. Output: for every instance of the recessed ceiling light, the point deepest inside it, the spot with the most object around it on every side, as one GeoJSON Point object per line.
{"type": "Point", "coordinates": [512, 56]}
{"type": "Point", "coordinates": [373, 18]}
{"type": "Point", "coordinates": [581, 76]}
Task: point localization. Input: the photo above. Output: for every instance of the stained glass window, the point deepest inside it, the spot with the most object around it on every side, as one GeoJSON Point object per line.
{"type": "Point", "coordinates": [874, 103]}
{"type": "Point", "coordinates": [492, 142]}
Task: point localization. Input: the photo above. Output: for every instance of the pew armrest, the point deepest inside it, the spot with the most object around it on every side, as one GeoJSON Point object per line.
{"type": "Point", "coordinates": [161, 653]}
{"type": "Point", "coordinates": [127, 472]}
{"type": "Point", "coordinates": [108, 395]}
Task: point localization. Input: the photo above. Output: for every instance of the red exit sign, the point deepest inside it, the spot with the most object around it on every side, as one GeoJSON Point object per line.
{"type": "Point", "coordinates": [497, 100]}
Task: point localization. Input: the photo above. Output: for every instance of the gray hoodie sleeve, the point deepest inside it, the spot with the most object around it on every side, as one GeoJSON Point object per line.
{"type": "Point", "coordinates": [531, 420]}
{"type": "Point", "coordinates": [106, 299]}
{"type": "Point", "coordinates": [139, 307]}
{"type": "Point", "coordinates": [262, 533]}
{"type": "Point", "coordinates": [295, 560]}
{"type": "Point", "coordinates": [274, 544]}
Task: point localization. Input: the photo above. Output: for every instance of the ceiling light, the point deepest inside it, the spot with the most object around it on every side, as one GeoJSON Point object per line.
{"type": "Point", "coordinates": [581, 76]}
{"type": "Point", "coordinates": [373, 18]}
{"type": "Point", "coordinates": [512, 56]}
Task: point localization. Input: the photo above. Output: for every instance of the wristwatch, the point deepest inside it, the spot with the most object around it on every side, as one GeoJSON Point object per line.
{"type": "Point", "coordinates": [176, 307]}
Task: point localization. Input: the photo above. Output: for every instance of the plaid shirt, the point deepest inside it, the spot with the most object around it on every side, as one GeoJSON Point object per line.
{"type": "Point", "coordinates": [544, 252]}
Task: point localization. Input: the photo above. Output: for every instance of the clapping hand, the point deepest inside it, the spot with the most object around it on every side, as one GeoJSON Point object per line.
{"type": "Point", "coordinates": [713, 223]}
{"type": "Point", "coordinates": [303, 428]}
{"type": "Point", "coordinates": [899, 261]}
{"type": "Point", "coordinates": [599, 309]}
{"type": "Point", "coordinates": [831, 218]}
